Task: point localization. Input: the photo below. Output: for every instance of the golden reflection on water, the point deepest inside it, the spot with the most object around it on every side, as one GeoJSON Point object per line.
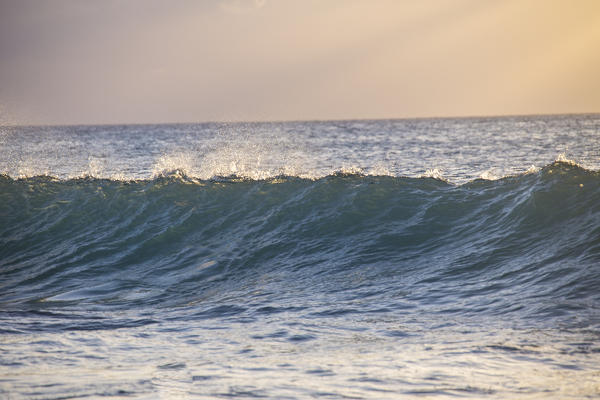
{"type": "Point", "coordinates": [248, 361]}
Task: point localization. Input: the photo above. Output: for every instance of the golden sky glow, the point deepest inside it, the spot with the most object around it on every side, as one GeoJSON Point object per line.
{"type": "Point", "coordinates": [79, 61]}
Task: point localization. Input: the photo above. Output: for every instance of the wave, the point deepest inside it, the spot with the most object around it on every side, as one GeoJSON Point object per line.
{"type": "Point", "coordinates": [526, 244]}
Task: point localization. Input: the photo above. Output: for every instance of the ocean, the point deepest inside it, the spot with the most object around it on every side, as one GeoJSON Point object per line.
{"type": "Point", "coordinates": [384, 259]}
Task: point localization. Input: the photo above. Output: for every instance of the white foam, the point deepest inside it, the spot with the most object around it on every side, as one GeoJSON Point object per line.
{"type": "Point", "coordinates": [434, 173]}
{"type": "Point", "coordinates": [562, 157]}
{"type": "Point", "coordinates": [532, 169]}
{"type": "Point", "coordinates": [489, 175]}
{"type": "Point", "coordinates": [380, 170]}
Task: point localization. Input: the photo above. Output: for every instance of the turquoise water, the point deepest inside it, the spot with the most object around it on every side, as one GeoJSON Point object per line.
{"type": "Point", "coordinates": [358, 259]}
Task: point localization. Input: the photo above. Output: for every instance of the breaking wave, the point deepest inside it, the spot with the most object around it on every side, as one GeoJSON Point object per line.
{"type": "Point", "coordinates": [527, 245]}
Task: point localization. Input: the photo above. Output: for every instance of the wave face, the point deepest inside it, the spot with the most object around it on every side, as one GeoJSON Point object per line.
{"type": "Point", "coordinates": [526, 245]}
{"type": "Point", "coordinates": [350, 259]}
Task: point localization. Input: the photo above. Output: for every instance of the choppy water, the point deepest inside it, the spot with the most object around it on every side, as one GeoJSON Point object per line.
{"type": "Point", "coordinates": [357, 259]}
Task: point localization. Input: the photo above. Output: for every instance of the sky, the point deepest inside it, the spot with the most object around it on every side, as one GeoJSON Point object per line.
{"type": "Point", "coordinates": [154, 61]}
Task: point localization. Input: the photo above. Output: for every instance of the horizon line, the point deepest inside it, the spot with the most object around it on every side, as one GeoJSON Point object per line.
{"type": "Point", "coordinates": [315, 120]}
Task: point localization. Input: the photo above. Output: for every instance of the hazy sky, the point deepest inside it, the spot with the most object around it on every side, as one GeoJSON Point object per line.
{"type": "Point", "coordinates": [110, 61]}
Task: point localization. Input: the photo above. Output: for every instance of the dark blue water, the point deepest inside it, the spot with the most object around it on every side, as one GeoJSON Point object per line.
{"type": "Point", "coordinates": [359, 259]}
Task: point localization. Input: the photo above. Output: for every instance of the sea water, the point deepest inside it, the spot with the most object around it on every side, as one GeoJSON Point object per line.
{"type": "Point", "coordinates": [427, 258]}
